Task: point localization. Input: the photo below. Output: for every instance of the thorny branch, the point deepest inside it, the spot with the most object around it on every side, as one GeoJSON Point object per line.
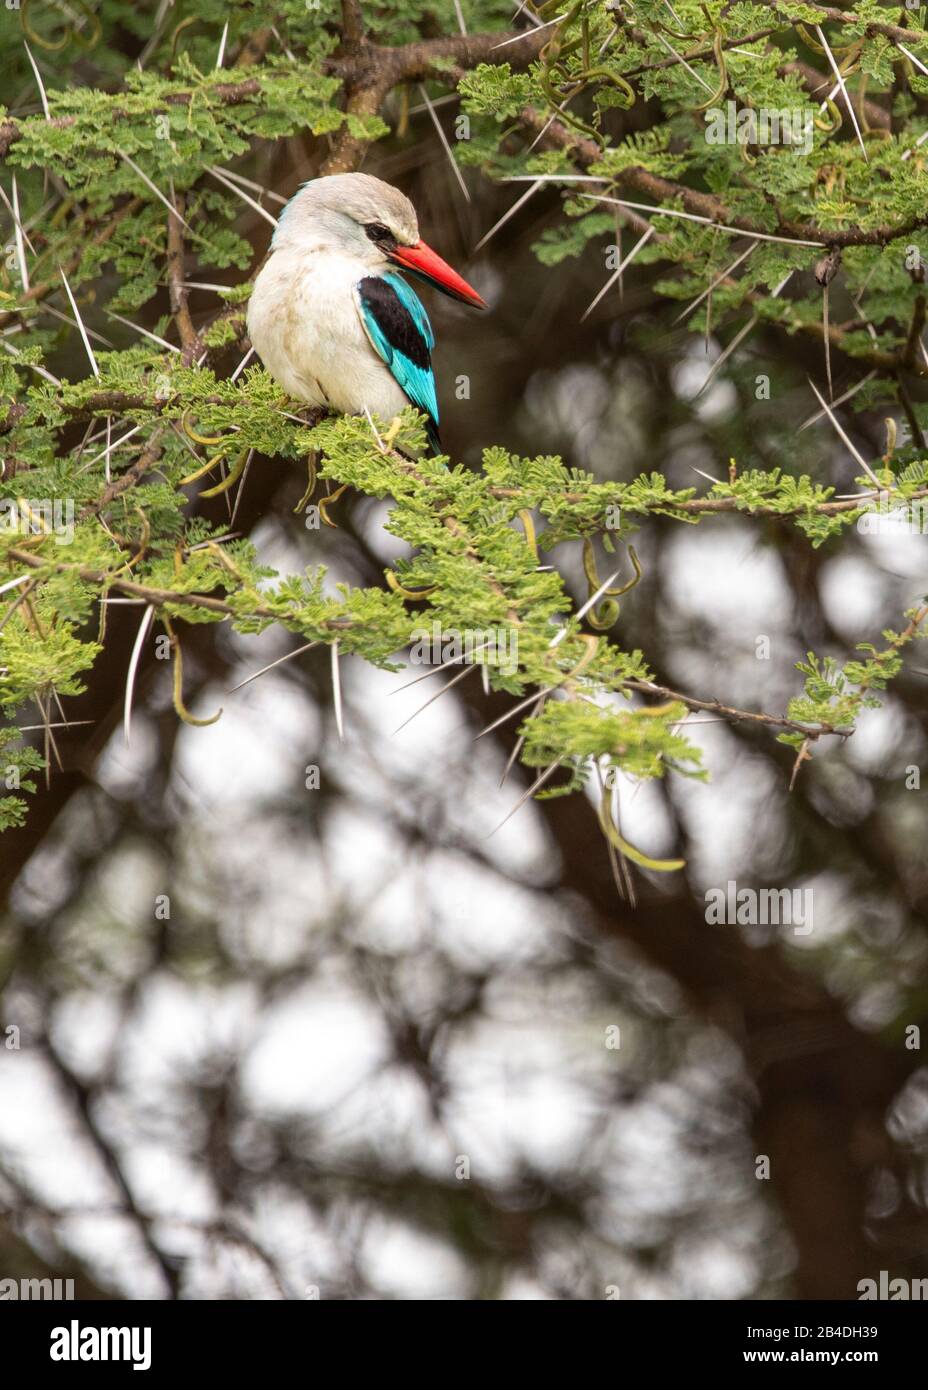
{"type": "Point", "coordinates": [176, 289]}
{"type": "Point", "coordinates": [369, 73]}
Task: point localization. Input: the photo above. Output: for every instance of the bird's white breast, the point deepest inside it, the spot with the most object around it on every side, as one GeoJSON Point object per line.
{"type": "Point", "coordinates": [304, 324]}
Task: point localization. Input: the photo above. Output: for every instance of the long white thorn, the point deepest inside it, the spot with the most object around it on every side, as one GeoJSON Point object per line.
{"type": "Point", "coordinates": [105, 453]}
{"type": "Point", "coordinates": [255, 188]}
{"type": "Point", "coordinates": [437, 670]}
{"type": "Point", "coordinates": [204, 285]}
{"type": "Point", "coordinates": [680, 59]}
{"type": "Point", "coordinates": [736, 342]}
{"type": "Point", "coordinates": [912, 59]}
{"type": "Point", "coordinates": [696, 217]}
{"type": "Point", "coordinates": [241, 486]}
{"type": "Point", "coordinates": [528, 15]}
{"type": "Point", "coordinates": [288, 656]}
{"type": "Point", "coordinates": [841, 83]}
{"type": "Point", "coordinates": [289, 52]}
{"type": "Point", "coordinates": [920, 141]}
{"type": "Point", "coordinates": [715, 283]}
{"type": "Point", "coordinates": [13, 583]}
{"type": "Point", "coordinates": [723, 357]}
{"type": "Point", "coordinates": [538, 783]}
{"type": "Point", "coordinates": [154, 188]}
{"type": "Point", "coordinates": [617, 273]}
{"type": "Point", "coordinates": [67, 724]}
{"type": "Point", "coordinates": [20, 245]}
{"type": "Point", "coordinates": [133, 667]}
{"type": "Point", "coordinates": [242, 365]}
{"type": "Point", "coordinates": [80, 323]}
{"type": "Point", "coordinates": [582, 612]}
{"type": "Point", "coordinates": [444, 140]}
{"type": "Point", "coordinates": [708, 476]}
{"type": "Point", "coordinates": [337, 692]}
{"type": "Point", "coordinates": [219, 175]}
{"type": "Point", "coordinates": [25, 226]}
{"type": "Point", "coordinates": [172, 347]}
{"type": "Point", "coordinates": [511, 714]}
{"type": "Point", "coordinates": [38, 78]}
{"type": "Point", "coordinates": [554, 178]}
{"type": "Point", "coordinates": [374, 430]}
{"type": "Point", "coordinates": [651, 207]}
{"type": "Point", "coordinates": [155, 39]}
{"type": "Point", "coordinates": [33, 365]}
{"type": "Point", "coordinates": [47, 308]}
{"type": "Point", "coordinates": [846, 439]}
{"type": "Point", "coordinates": [528, 33]}
{"type": "Point", "coordinates": [520, 202]}
{"type": "Point", "coordinates": [827, 337]}
{"type": "Point", "coordinates": [546, 127]}
{"type": "Point", "coordinates": [520, 741]}
{"type": "Point", "coordinates": [436, 102]}
{"type": "Point", "coordinates": [437, 696]}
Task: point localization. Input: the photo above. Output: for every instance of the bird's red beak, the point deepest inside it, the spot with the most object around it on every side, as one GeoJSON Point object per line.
{"type": "Point", "coordinates": [422, 261]}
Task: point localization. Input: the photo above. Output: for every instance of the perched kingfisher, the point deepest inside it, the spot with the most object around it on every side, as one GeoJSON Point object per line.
{"type": "Point", "coordinates": [329, 316]}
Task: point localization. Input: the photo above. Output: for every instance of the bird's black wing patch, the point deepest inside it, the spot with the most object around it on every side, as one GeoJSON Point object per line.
{"type": "Point", "coordinates": [399, 330]}
{"type": "Point", "coordinates": [397, 325]}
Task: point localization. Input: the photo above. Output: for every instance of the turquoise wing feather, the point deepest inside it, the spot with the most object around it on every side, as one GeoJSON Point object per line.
{"type": "Point", "coordinates": [398, 327]}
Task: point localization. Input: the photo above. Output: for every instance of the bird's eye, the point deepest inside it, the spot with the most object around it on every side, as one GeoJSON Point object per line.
{"type": "Point", "coordinates": [379, 233]}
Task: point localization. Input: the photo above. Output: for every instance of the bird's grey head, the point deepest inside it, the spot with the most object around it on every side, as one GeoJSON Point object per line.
{"type": "Point", "coordinates": [353, 213]}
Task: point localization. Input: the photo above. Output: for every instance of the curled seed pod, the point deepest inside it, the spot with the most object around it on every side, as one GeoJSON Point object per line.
{"type": "Point", "coordinates": [192, 433]}
{"type": "Point", "coordinates": [892, 434]}
{"type": "Point", "coordinates": [235, 473]}
{"type": "Point", "coordinates": [178, 684]}
{"type": "Point", "coordinates": [615, 838]}
{"type": "Point", "coordinates": [326, 502]}
{"type": "Point", "coordinates": [604, 616]}
{"type": "Point", "coordinates": [528, 527]}
{"type": "Point", "coordinates": [310, 482]}
{"type": "Point", "coordinates": [412, 594]}
{"type": "Point", "coordinates": [207, 467]}
{"type": "Point", "coordinates": [837, 120]}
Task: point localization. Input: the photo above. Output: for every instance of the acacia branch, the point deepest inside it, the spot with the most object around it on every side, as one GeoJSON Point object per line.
{"type": "Point", "coordinates": [367, 68]}
{"type": "Point", "coordinates": [815, 82]}
{"type": "Point", "coordinates": [160, 598]}
{"type": "Point", "coordinates": [176, 290]}
{"type": "Point", "coordinates": [585, 152]}
{"type": "Point", "coordinates": [811, 78]}
{"type": "Point", "coordinates": [740, 716]}
{"type": "Point", "coordinates": [225, 93]}
{"type": "Point", "coordinates": [352, 25]}
{"type": "Point", "coordinates": [36, 293]}
{"type": "Point", "coordinates": [133, 475]}
{"type": "Point", "coordinates": [370, 72]}
{"type": "Point", "coordinates": [836, 16]}
{"type": "Point", "coordinates": [706, 506]}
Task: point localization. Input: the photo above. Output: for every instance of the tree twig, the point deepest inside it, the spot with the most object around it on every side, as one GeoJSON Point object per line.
{"type": "Point", "coordinates": [176, 290]}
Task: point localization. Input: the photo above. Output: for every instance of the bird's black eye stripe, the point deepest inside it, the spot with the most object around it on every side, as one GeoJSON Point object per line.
{"type": "Point", "coordinates": [380, 235]}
